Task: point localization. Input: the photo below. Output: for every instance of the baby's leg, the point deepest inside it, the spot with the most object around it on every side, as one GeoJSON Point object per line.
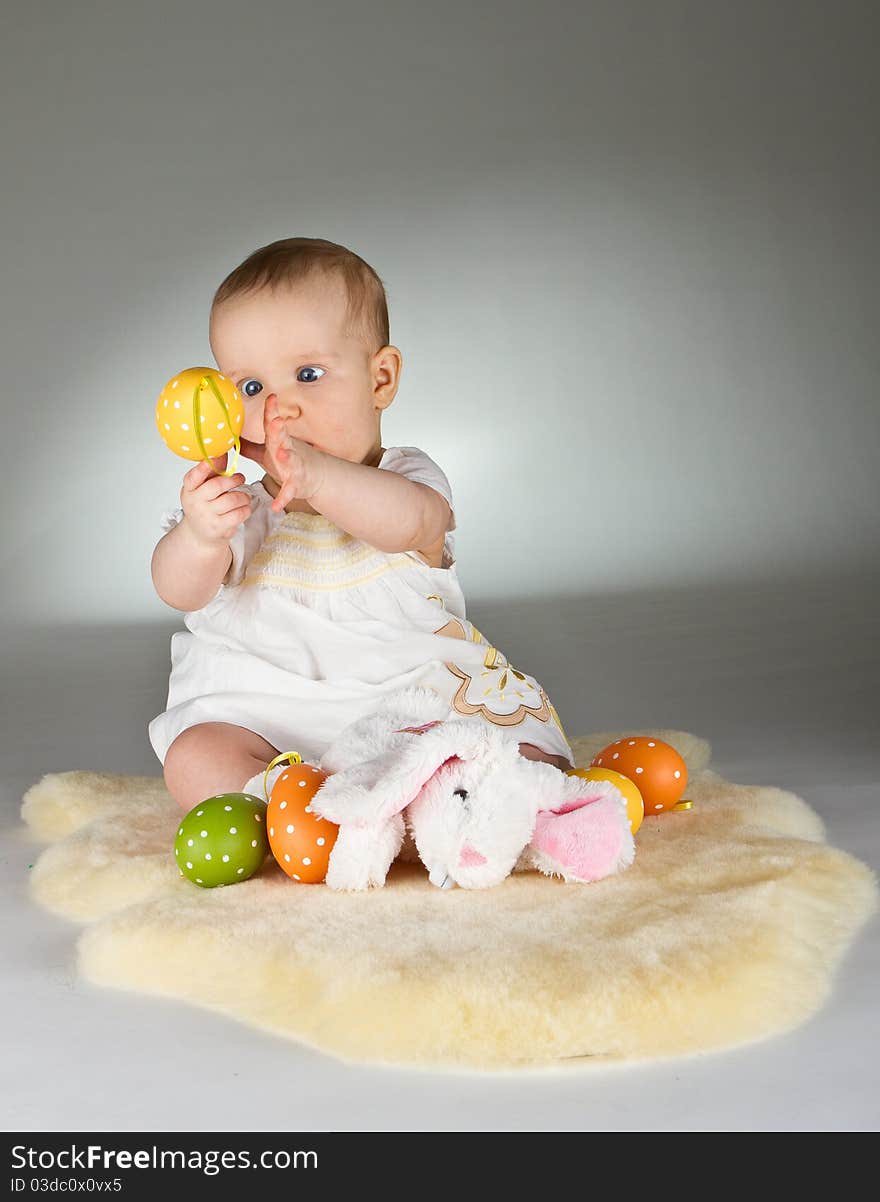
{"type": "Point", "coordinates": [530, 752]}
{"type": "Point", "coordinates": [212, 758]}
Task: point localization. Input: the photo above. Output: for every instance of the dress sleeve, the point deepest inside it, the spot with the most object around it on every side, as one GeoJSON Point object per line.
{"type": "Point", "coordinates": [416, 465]}
{"type": "Point", "coordinates": [244, 542]}
{"type": "Point", "coordinates": [413, 463]}
{"type": "Point", "coordinates": [170, 519]}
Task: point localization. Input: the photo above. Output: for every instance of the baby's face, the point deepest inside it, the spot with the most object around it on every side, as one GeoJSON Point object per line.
{"type": "Point", "coordinates": [290, 344]}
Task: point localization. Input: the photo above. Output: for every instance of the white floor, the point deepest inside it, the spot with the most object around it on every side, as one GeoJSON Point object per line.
{"type": "Point", "coordinates": [781, 678]}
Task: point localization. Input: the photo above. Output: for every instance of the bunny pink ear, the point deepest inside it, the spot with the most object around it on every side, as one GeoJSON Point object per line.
{"type": "Point", "coordinates": [374, 791]}
{"type": "Point", "coordinates": [584, 838]}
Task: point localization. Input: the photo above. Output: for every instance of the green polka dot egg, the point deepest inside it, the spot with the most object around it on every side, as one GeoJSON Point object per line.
{"type": "Point", "coordinates": [222, 840]}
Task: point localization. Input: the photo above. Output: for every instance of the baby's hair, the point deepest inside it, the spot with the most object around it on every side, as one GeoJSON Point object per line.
{"type": "Point", "coordinates": [290, 261]}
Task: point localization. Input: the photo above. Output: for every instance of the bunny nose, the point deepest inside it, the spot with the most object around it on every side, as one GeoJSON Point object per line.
{"type": "Point", "coordinates": [470, 857]}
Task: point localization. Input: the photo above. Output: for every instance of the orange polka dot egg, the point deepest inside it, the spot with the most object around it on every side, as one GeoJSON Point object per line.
{"type": "Point", "coordinates": [300, 840]}
{"type": "Point", "coordinates": [654, 766]}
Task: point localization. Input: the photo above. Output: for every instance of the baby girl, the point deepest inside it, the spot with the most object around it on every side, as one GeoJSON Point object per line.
{"type": "Point", "coordinates": [313, 592]}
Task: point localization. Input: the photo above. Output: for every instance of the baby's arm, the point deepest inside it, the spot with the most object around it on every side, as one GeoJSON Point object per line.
{"type": "Point", "coordinates": [191, 561]}
{"type": "Point", "coordinates": [383, 508]}
{"type": "Point", "coordinates": [186, 572]}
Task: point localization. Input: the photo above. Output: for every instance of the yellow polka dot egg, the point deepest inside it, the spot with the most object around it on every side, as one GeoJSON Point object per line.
{"type": "Point", "coordinates": [300, 839]}
{"type": "Point", "coordinates": [222, 840]}
{"type": "Point", "coordinates": [200, 413]}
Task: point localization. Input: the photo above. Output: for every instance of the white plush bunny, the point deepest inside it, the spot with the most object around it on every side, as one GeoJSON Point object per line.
{"type": "Point", "coordinates": [475, 807]}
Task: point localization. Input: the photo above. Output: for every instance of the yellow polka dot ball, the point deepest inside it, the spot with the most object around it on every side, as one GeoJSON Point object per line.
{"type": "Point", "coordinates": [199, 413]}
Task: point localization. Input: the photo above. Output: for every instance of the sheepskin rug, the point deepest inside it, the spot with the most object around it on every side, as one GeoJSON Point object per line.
{"type": "Point", "coordinates": [726, 929]}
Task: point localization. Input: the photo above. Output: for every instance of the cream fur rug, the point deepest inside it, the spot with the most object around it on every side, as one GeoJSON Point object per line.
{"type": "Point", "coordinates": [727, 929]}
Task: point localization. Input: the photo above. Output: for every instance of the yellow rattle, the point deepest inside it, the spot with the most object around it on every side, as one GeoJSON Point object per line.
{"type": "Point", "coordinates": [200, 414]}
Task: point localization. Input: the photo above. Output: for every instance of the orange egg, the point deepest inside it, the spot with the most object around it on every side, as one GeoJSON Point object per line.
{"type": "Point", "coordinates": [301, 841]}
{"type": "Point", "coordinates": [656, 768]}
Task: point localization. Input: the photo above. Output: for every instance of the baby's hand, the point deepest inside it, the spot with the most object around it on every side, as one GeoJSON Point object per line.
{"type": "Point", "coordinates": [213, 509]}
{"type": "Point", "coordinates": [300, 467]}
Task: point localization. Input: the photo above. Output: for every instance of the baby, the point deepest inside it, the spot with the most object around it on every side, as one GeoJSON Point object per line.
{"type": "Point", "coordinates": [312, 593]}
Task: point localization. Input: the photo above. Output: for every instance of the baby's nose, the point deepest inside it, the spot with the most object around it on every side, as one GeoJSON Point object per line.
{"type": "Point", "coordinates": [276, 408]}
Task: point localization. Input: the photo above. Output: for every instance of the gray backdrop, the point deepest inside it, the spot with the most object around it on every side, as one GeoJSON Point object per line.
{"type": "Point", "coordinates": [631, 259]}
{"type": "Point", "coordinates": [630, 253]}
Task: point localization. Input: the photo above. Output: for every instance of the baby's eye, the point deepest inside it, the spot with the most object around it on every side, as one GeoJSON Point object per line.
{"type": "Point", "coordinates": [313, 379]}
{"type": "Point", "coordinates": [250, 387]}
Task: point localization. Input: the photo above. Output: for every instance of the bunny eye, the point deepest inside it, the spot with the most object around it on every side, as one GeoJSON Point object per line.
{"type": "Point", "coordinates": [462, 793]}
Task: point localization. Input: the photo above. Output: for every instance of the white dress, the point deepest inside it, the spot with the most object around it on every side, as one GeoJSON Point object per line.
{"type": "Point", "coordinates": [311, 628]}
